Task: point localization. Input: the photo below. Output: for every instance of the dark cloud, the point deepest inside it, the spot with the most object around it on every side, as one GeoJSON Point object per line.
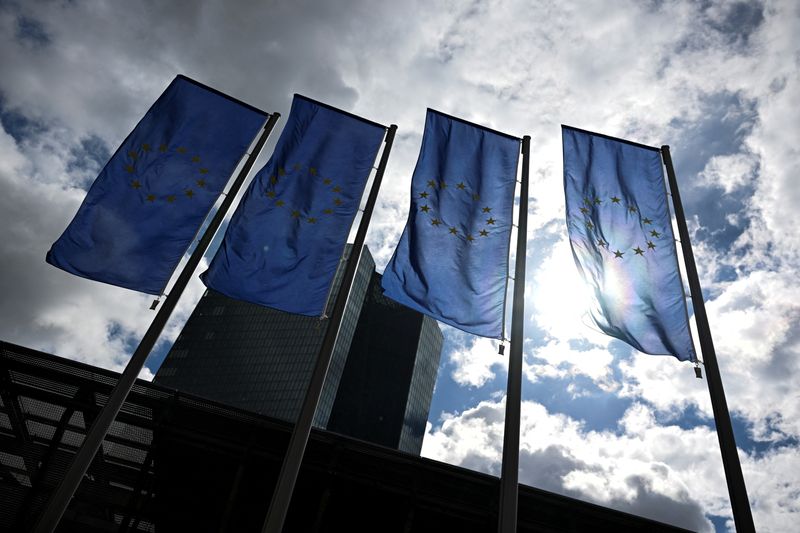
{"type": "Point", "coordinates": [67, 110]}
{"type": "Point", "coordinates": [547, 468]}
{"type": "Point", "coordinates": [475, 460]}
{"type": "Point", "coordinates": [31, 32]}
{"type": "Point", "coordinates": [683, 512]}
{"type": "Point", "coordinates": [739, 21]}
{"type": "Point", "coordinates": [121, 59]}
{"type": "Point", "coordinates": [724, 24]}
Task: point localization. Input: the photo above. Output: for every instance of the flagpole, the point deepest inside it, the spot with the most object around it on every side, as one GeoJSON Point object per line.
{"type": "Point", "coordinates": [282, 495]}
{"type": "Point", "coordinates": [509, 477]}
{"type": "Point", "coordinates": [60, 499]}
{"type": "Point", "coordinates": [737, 491]}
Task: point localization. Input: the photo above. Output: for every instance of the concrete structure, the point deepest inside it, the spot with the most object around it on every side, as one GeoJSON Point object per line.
{"type": "Point", "coordinates": [176, 462]}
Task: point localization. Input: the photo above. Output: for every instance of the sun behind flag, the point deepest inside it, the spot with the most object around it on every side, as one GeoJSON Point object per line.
{"type": "Point", "coordinates": [144, 208]}
{"type": "Point", "coordinates": [621, 236]}
{"type": "Point", "coordinates": [284, 242]}
{"type": "Point", "coordinates": [452, 259]}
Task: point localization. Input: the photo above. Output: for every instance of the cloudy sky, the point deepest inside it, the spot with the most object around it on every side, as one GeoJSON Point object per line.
{"type": "Point", "coordinates": [719, 81]}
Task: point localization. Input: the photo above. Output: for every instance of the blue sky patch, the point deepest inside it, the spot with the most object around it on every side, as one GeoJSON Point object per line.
{"type": "Point", "coordinates": [88, 158]}
{"type": "Point", "coordinates": [18, 125]}
{"type": "Point", "coordinates": [597, 409]}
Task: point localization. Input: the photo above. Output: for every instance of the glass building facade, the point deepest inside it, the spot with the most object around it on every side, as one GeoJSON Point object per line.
{"type": "Point", "coordinates": [386, 388]}
{"type": "Point", "coordinates": [380, 382]}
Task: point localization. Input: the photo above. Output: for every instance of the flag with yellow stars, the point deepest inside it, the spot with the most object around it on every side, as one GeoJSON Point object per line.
{"type": "Point", "coordinates": [620, 230]}
{"type": "Point", "coordinates": [286, 238]}
{"type": "Point", "coordinates": [141, 213]}
{"type": "Point", "coordinates": [452, 259]}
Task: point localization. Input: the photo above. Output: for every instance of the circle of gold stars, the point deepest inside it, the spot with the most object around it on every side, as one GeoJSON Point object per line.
{"type": "Point", "coordinates": [293, 172]}
{"type": "Point", "coordinates": [425, 207]}
{"type": "Point", "coordinates": [650, 235]}
{"type": "Point", "coordinates": [137, 154]}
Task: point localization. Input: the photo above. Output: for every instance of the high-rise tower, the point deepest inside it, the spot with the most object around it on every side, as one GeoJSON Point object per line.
{"type": "Point", "coordinates": [380, 382]}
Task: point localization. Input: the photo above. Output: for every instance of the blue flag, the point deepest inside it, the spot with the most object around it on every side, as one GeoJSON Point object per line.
{"type": "Point", "coordinates": [452, 259]}
{"type": "Point", "coordinates": [144, 208]}
{"type": "Point", "coordinates": [621, 235]}
{"type": "Point", "coordinates": [284, 242]}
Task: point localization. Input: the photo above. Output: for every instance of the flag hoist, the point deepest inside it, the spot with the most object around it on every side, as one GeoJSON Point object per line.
{"type": "Point", "coordinates": [620, 230]}
{"type": "Point", "coordinates": [452, 259]}
{"type": "Point", "coordinates": [141, 214]}
{"type": "Point", "coordinates": [287, 237]}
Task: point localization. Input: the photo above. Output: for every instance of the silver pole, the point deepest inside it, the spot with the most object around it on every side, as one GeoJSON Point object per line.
{"type": "Point", "coordinates": [282, 496]}
{"type": "Point", "coordinates": [740, 504]}
{"type": "Point", "coordinates": [509, 478]}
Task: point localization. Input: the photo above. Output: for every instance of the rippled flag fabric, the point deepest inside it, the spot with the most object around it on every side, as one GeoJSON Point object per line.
{"type": "Point", "coordinates": [286, 238]}
{"type": "Point", "coordinates": [621, 236]}
{"type": "Point", "coordinates": [144, 208]}
{"type": "Point", "coordinates": [452, 259]}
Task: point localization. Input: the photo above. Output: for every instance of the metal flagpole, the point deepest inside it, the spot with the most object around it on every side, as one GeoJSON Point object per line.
{"type": "Point", "coordinates": [94, 438]}
{"type": "Point", "coordinates": [282, 496]}
{"type": "Point", "coordinates": [737, 491]}
{"type": "Point", "coordinates": [509, 478]}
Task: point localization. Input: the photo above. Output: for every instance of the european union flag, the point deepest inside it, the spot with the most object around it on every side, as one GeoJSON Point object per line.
{"type": "Point", "coordinates": [284, 241]}
{"type": "Point", "coordinates": [144, 208]}
{"type": "Point", "coordinates": [452, 259]}
{"type": "Point", "coordinates": [621, 235]}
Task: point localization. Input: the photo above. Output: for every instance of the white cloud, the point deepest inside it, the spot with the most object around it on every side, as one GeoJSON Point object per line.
{"type": "Point", "coordinates": [519, 67]}
{"type": "Point", "coordinates": [661, 472]}
{"type": "Point", "coordinates": [730, 171]}
{"type": "Point", "coordinates": [774, 80]}
{"type": "Point", "coordinates": [561, 361]}
{"type": "Point", "coordinates": [475, 362]}
{"type": "Point", "coordinates": [754, 324]}
{"type": "Point", "coordinates": [773, 484]}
